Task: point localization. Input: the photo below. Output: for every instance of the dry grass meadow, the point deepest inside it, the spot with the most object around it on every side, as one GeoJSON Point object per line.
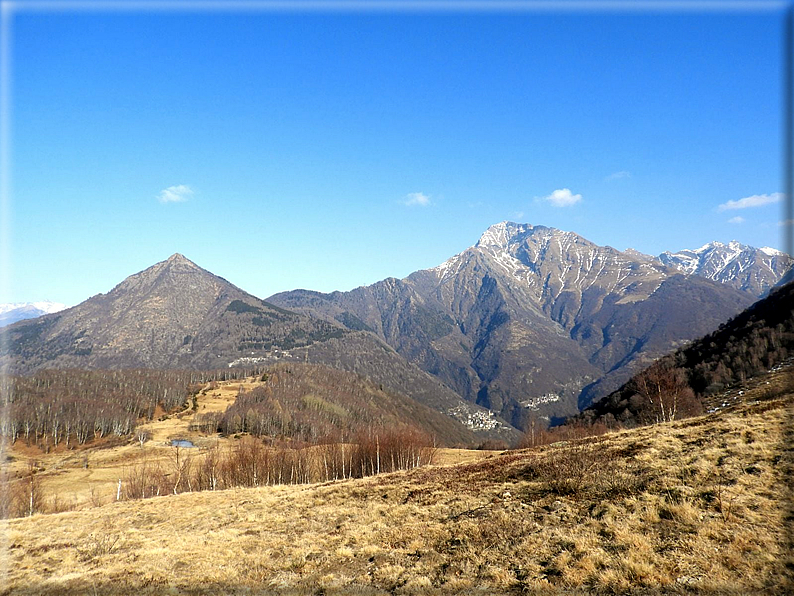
{"type": "Point", "coordinates": [89, 476]}
{"type": "Point", "coordinates": [698, 506]}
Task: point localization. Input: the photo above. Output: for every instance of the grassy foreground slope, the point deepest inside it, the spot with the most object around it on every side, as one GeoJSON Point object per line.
{"type": "Point", "coordinates": [698, 506]}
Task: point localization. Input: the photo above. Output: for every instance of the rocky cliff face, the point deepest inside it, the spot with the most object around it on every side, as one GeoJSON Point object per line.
{"type": "Point", "coordinates": [532, 320]}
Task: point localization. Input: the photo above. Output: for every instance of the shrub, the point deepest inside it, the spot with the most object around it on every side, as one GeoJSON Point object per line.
{"type": "Point", "coordinates": [586, 469]}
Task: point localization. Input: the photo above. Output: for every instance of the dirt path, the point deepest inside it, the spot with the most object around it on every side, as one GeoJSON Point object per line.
{"type": "Point", "coordinates": [210, 399]}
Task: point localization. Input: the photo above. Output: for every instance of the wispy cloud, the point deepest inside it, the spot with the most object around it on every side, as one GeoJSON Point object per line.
{"type": "Point", "coordinates": [753, 201]}
{"type": "Point", "coordinates": [618, 175]}
{"type": "Point", "coordinates": [736, 220]}
{"type": "Point", "coordinates": [416, 198]}
{"type": "Point", "coordinates": [175, 194]}
{"type": "Point", "coordinates": [562, 197]}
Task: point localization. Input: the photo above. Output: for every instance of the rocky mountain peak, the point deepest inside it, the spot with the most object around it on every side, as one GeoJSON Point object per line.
{"type": "Point", "coordinates": [502, 234]}
{"type": "Point", "coordinates": [174, 274]}
{"type": "Point", "coordinates": [173, 314]}
{"type": "Point", "coordinates": [753, 270]}
{"type": "Point", "coordinates": [179, 259]}
{"type": "Point", "coordinates": [178, 262]}
{"type": "Point", "coordinates": [636, 254]}
{"type": "Point", "coordinates": [532, 320]}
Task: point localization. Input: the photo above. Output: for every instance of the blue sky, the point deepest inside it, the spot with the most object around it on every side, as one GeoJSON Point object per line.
{"type": "Point", "coordinates": [331, 149]}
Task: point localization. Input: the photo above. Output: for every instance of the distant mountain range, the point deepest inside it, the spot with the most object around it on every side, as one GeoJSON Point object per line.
{"type": "Point", "coordinates": [753, 270]}
{"type": "Point", "coordinates": [536, 320]}
{"type": "Point", "coordinates": [529, 321]}
{"type": "Point", "coordinates": [19, 311]}
{"type": "Point", "coordinates": [177, 315]}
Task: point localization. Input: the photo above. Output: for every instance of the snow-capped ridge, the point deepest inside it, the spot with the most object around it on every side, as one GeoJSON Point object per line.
{"type": "Point", "coordinates": [702, 249]}
{"type": "Point", "coordinates": [744, 267]}
{"type": "Point", "coordinates": [772, 252]}
{"type": "Point", "coordinates": [19, 311]}
{"type": "Point", "coordinates": [519, 249]}
{"type": "Point", "coordinates": [45, 306]}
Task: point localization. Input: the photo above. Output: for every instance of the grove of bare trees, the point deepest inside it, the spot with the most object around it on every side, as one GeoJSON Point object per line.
{"type": "Point", "coordinates": [74, 406]}
{"type": "Point", "coordinates": [251, 462]}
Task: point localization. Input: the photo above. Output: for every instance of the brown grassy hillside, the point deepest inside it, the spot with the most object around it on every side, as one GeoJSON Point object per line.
{"type": "Point", "coordinates": [699, 506]}
{"type": "Point", "coordinates": [309, 403]}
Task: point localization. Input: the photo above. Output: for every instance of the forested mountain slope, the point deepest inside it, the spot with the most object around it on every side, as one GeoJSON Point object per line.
{"type": "Point", "coordinates": [757, 340]}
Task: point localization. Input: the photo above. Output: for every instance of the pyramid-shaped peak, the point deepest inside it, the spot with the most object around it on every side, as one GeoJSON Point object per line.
{"type": "Point", "coordinates": [162, 274]}
{"type": "Point", "coordinates": [179, 258]}
{"type": "Point", "coordinates": [179, 262]}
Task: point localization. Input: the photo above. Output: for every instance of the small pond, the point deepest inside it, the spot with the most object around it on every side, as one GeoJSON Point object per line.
{"type": "Point", "coordinates": [181, 443]}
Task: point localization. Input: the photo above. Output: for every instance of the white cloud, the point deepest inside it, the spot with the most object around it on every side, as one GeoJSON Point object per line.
{"type": "Point", "coordinates": [753, 201]}
{"type": "Point", "coordinates": [175, 194]}
{"type": "Point", "coordinates": [736, 220]}
{"type": "Point", "coordinates": [619, 175]}
{"type": "Point", "coordinates": [416, 198]}
{"type": "Point", "coordinates": [562, 197]}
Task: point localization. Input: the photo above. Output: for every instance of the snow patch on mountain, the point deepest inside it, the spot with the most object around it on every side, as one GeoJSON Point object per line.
{"type": "Point", "coordinates": [449, 268]}
{"type": "Point", "coordinates": [744, 267]}
{"type": "Point", "coordinates": [553, 261]}
{"type": "Point", "coordinates": [772, 252]}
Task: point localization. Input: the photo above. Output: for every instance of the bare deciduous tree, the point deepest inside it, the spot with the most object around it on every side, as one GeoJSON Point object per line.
{"type": "Point", "coordinates": [141, 436]}
{"type": "Point", "coordinates": [665, 391]}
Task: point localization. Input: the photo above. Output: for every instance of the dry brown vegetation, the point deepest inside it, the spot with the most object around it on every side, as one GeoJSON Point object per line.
{"type": "Point", "coordinates": [697, 506]}
{"type": "Point", "coordinates": [250, 463]}
{"type": "Point", "coordinates": [305, 401]}
{"type": "Point", "coordinates": [88, 476]}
